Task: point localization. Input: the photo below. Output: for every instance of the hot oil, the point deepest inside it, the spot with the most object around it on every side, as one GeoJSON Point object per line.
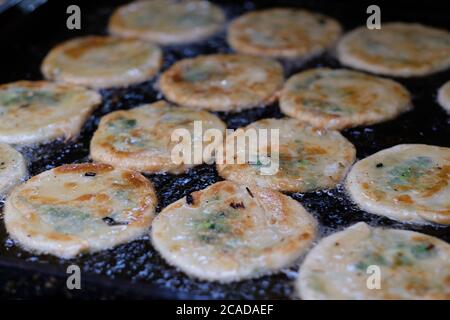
{"type": "Point", "coordinates": [137, 262]}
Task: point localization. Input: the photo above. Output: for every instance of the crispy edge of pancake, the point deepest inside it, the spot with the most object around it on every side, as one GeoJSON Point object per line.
{"type": "Point", "coordinates": [359, 230]}
{"type": "Point", "coordinates": [242, 173]}
{"type": "Point", "coordinates": [235, 27]}
{"type": "Point", "coordinates": [390, 209]}
{"type": "Point", "coordinates": [222, 100]}
{"type": "Point", "coordinates": [118, 27]}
